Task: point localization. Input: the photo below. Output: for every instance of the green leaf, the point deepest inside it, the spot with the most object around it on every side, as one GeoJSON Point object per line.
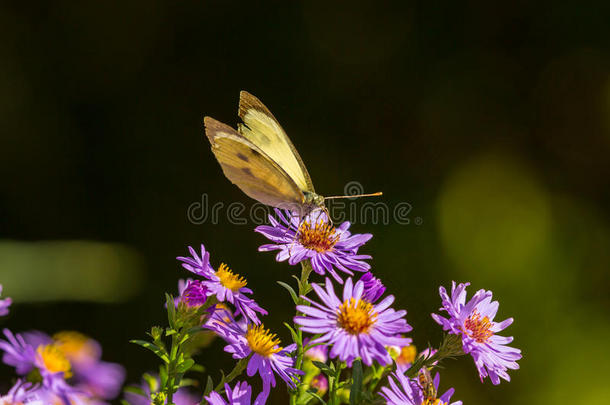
{"type": "Point", "coordinates": [324, 368]}
{"type": "Point", "coordinates": [293, 294]}
{"type": "Point", "coordinates": [209, 386]}
{"type": "Point", "coordinates": [295, 336]}
{"type": "Point", "coordinates": [313, 393]}
{"type": "Point", "coordinates": [136, 390]}
{"type": "Point", "coordinates": [159, 351]}
{"type": "Point", "coordinates": [355, 393]}
{"type": "Point", "coordinates": [185, 365]}
{"type": "Point", "coordinates": [198, 368]}
{"type": "Point", "coordinates": [152, 381]}
{"type": "Point", "coordinates": [194, 330]}
{"type": "Point", "coordinates": [171, 310]}
{"type": "Point", "coordinates": [189, 382]}
{"type": "Point", "coordinates": [163, 376]}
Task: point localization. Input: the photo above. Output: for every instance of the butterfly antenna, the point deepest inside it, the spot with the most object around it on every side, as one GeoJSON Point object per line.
{"type": "Point", "coordinates": [377, 194]}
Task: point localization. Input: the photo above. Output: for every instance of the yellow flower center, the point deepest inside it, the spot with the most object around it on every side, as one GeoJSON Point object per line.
{"type": "Point", "coordinates": [54, 360]}
{"type": "Point", "coordinates": [229, 280]}
{"type": "Point", "coordinates": [356, 317]}
{"type": "Point", "coordinates": [75, 345]}
{"type": "Point", "coordinates": [478, 328]}
{"type": "Point", "coordinates": [321, 237]}
{"type": "Point", "coordinates": [407, 355]}
{"type": "Point", "coordinates": [433, 401]}
{"type": "Point", "coordinates": [262, 341]}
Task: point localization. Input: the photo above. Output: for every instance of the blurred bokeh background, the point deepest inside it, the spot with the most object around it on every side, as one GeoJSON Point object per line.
{"type": "Point", "coordinates": [491, 119]}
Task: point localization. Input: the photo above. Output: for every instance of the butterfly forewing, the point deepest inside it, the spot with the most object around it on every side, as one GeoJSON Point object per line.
{"type": "Point", "coordinates": [262, 129]}
{"type": "Point", "coordinates": [249, 167]}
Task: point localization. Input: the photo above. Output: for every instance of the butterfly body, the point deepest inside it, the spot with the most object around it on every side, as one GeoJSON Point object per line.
{"type": "Point", "coordinates": [261, 160]}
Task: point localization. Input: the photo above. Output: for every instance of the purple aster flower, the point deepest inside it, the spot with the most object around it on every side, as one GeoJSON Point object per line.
{"type": "Point", "coordinates": [373, 287]}
{"type": "Point", "coordinates": [408, 391]}
{"type": "Point", "coordinates": [194, 293]}
{"type": "Point", "coordinates": [354, 327]}
{"type": "Point", "coordinates": [474, 322]}
{"type": "Point", "coordinates": [181, 397]}
{"type": "Point", "coordinates": [22, 393]}
{"type": "Point", "coordinates": [317, 240]}
{"type": "Point", "coordinates": [267, 357]}
{"type": "Point", "coordinates": [53, 367]}
{"type": "Point", "coordinates": [240, 395]}
{"type": "Point", "coordinates": [69, 364]}
{"type": "Point", "coordinates": [320, 383]}
{"type": "Point", "coordinates": [17, 353]}
{"type": "Point", "coordinates": [4, 304]}
{"type": "Point", "coordinates": [223, 283]}
{"type": "Point", "coordinates": [97, 378]}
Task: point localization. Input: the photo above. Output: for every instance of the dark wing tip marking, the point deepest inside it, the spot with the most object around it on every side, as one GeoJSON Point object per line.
{"type": "Point", "coordinates": [212, 126]}
{"type": "Point", "coordinates": [248, 101]}
{"type": "Point", "coordinates": [243, 157]}
{"type": "Point", "coordinates": [247, 171]}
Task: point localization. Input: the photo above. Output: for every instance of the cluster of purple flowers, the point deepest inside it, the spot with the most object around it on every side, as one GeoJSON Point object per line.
{"type": "Point", "coordinates": [246, 337]}
{"type": "Point", "coordinates": [357, 325]}
{"type": "Point", "coordinates": [65, 368]}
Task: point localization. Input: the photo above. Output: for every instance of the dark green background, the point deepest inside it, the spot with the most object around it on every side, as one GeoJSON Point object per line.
{"type": "Point", "coordinates": [491, 120]}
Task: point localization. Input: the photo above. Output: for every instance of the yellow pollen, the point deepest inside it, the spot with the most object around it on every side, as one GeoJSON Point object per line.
{"type": "Point", "coordinates": [229, 280]}
{"type": "Point", "coordinates": [75, 345]}
{"type": "Point", "coordinates": [54, 359]}
{"type": "Point", "coordinates": [478, 328]}
{"type": "Point", "coordinates": [320, 238]}
{"type": "Point", "coordinates": [356, 317]}
{"type": "Point", "coordinates": [407, 355]}
{"type": "Point", "coordinates": [262, 341]}
{"type": "Point", "coordinates": [433, 401]}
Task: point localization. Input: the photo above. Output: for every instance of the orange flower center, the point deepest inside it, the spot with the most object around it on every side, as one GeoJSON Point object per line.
{"type": "Point", "coordinates": [356, 316]}
{"type": "Point", "coordinates": [75, 346]}
{"type": "Point", "coordinates": [321, 237]}
{"type": "Point", "coordinates": [262, 341]}
{"type": "Point", "coordinates": [54, 359]}
{"type": "Point", "coordinates": [407, 355]}
{"type": "Point", "coordinates": [229, 280]}
{"type": "Point", "coordinates": [433, 401]}
{"type": "Point", "coordinates": [478, 328]}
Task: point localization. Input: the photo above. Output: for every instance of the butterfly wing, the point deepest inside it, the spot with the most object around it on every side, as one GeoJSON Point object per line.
{"type": "Point", "coordinates": [250, 169]}
{"type": "Point", "coordinates": [262, 129]}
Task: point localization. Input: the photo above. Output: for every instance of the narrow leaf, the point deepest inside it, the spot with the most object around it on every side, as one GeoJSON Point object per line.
{"type": "Point", "coordinates": [153, 348]}
{"type": "Point", "coordinates": [355, 393]}
{"type": "Point", "coordinates": [293, 294]}
{"type": "Point", "coordinates": [185, 365]}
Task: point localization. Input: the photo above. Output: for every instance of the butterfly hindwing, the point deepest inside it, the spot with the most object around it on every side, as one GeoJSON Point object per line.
{"type": "Point", "coordinates": [249, 167]}
{"type": "Point", "coordinates": [262, 129]}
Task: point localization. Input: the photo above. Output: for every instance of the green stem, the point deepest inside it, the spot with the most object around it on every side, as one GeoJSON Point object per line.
{"type": "Point", "coordinates": [450, 347]}
{"type": "Point", "coordinates": [378, 375]}
{"type": "Point", "coordinates": [171, 369]}
{"type": "Point", "coordinates": [304, 289]}
{"type": "Point", "coordinates": [333, 382]}
{"type": "Point", "coordinates": [237, 370]}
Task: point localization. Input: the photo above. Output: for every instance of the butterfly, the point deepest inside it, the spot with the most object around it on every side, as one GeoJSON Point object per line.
{"type": "Point", "coordinates": [259, 158]}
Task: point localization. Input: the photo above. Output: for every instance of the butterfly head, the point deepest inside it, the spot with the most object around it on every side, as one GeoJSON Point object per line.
{"type": "Point", "coordinates": [313, 200]}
